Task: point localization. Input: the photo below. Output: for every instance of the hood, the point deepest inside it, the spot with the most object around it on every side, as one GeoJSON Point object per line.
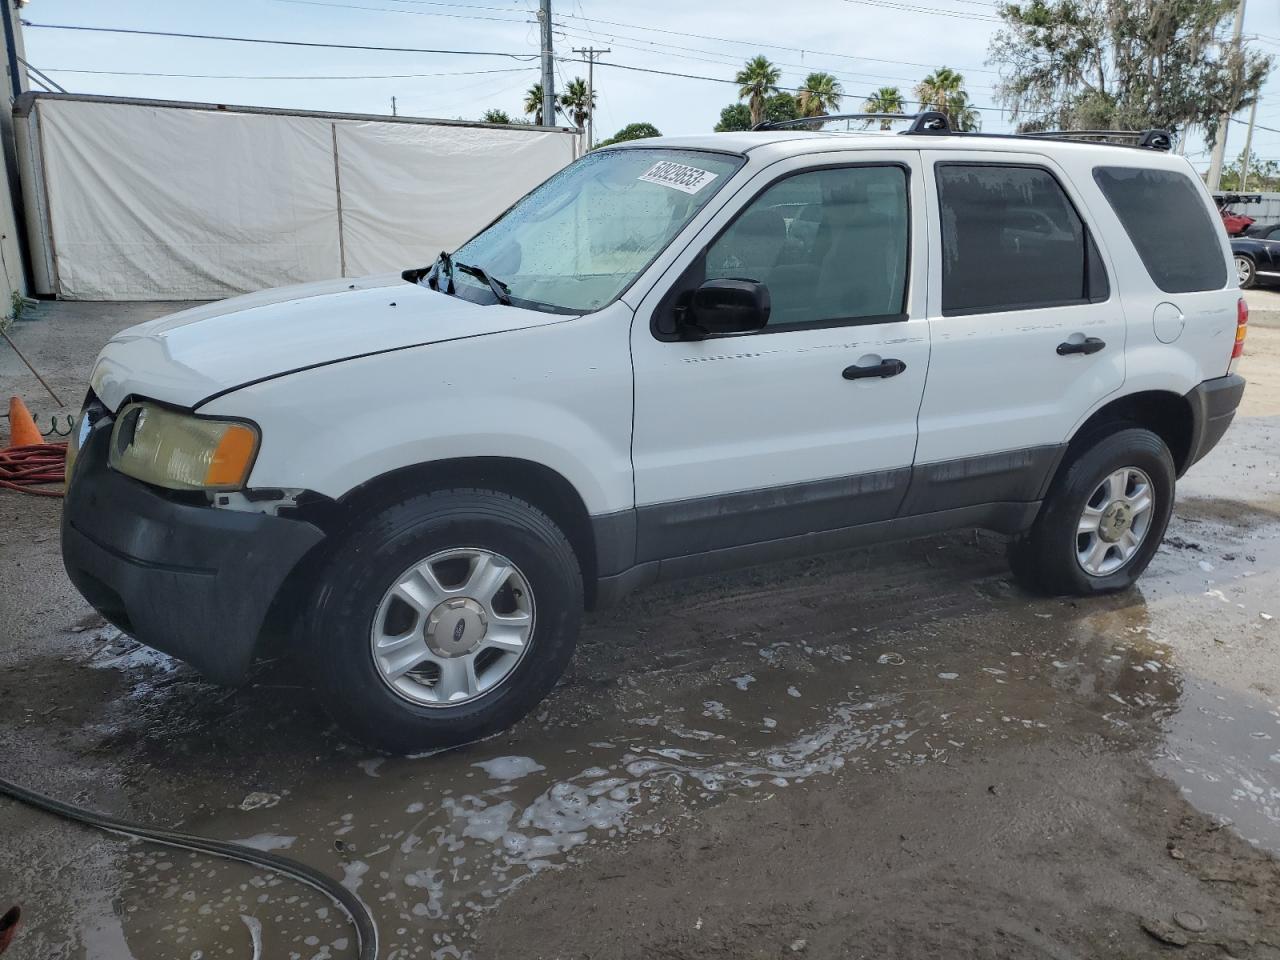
{"type": "Point", "coordinates": [187, 357]}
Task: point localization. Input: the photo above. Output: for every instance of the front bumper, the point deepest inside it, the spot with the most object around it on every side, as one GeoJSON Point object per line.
{"type": "Point", "coordinates": [1213, 407]}
{"type": "Point", "coordinates": [188, 579]}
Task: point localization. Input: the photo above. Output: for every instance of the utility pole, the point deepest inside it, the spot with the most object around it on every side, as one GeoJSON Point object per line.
{"type": "Point", "coordinates": [393, 107]}
{"type": "Point", "coordinates": [1220, 141]}
{"type": "Point", "coordinates": [590, 53]}
{"type": "Point", "coordinates": [548, 65]}
{"type": "Point", "coordinates": [1248, 146]}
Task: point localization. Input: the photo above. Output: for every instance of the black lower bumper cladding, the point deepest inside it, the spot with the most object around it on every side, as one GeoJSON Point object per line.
{"type": "Point", "coordinates": [187, 579]}
{"type": "Point", "coordinates": [1213, 404]}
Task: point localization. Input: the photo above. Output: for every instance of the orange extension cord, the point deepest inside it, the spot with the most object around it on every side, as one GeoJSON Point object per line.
{"type": "Point", "coordinates": [31, 469]}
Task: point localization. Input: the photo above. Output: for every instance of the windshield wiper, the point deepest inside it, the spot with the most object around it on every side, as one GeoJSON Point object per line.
{"type": "Point", "coordinates": [500, 289]}
{"type": "Point", "coordinates": [443, 265]}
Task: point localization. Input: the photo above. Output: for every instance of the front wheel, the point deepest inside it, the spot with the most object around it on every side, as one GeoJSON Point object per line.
{"type": "Point", "coordinates": [1246, 272]}
{"type": "Point", "coordinates": [444, 618]}
{"type": "Point", "coordinates": [1104, 517]}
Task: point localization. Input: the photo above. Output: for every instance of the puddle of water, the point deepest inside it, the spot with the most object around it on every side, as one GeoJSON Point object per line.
{"type": "Point", "coordinates": [1224, 754]}
{"type": "Point", "coordinates": [729, 692]}
{"type": "Point", "coordinates": [433, 844]}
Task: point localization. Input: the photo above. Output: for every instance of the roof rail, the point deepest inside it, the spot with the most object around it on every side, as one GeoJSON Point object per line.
{"type": "Point", "coordinates": [824, 118]}
{"type": "Point", "coordinates": [929, 121]}
{"type": "Point", "coordinates": [933, 122]}
{"type": "Point", "coordinates": [1149, 139]}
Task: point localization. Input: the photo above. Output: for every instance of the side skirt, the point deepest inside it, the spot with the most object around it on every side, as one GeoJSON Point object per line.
{"type": "Point", "coordinates": [1006, 517]}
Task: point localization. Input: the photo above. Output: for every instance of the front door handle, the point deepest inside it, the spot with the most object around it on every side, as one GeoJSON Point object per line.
{"type": "Point", "coordinates": [884, 369]}
{"type": "Point", "coordinates": [1086, 346]}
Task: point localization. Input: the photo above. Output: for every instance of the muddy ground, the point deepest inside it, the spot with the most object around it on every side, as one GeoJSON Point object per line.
{"type": "Point", "coordinates": [884, 753]}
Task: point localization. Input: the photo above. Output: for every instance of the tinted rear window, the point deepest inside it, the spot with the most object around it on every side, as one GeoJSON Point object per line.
{"type": "Point", "coordinates": [1011, 240]}
{"type": "Point", "coordinates": [1165, 217]}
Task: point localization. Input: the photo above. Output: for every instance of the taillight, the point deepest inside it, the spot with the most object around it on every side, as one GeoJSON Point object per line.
{"type": "Point", "coordinates": [1242, 327]}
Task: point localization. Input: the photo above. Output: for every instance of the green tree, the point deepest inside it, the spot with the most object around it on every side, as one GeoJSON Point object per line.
{"type": "Point", "coordinates": [938, 88]}
{"type": "Point", "coordinates": [577, 102]}
{"type": "Point", "coordinates": [1123, 64]}
{"type": "Point", "coordinates": [781, 106]}
{"type": "Point", "coordinates": [495, 116]}
{"type": "Point", "coordinates": [884, 100]}
{"type": "Point", "coordinates": [1264, 175]}
{"type": "Point", "coordinates": [757, 81]}
{"type": "Point", "coordinates": [633, 131]}
{"type": "Point", "coordinates": [943, 91]}
{"type": "Point", "coordinates": [819, 95]}
{"type": "Point", "coordinates": [961, 114]}
{"type": "Point", "coordinates": [736, 116]}
{"type": "Point", "coordinates": [533, 103]}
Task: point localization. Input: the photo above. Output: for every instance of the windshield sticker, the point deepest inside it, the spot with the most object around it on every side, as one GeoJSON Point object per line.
{"type": "Point", "coordinates": [677, 176]}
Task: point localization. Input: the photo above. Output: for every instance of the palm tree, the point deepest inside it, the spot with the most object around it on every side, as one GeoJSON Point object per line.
{"type": "Point", "coordinates": [884, 100]}
{"type": "Point", "coordinates": [577, 102]}
{"type": "Point", "coordinates": [756, 81]}
{"type": "Point", "coordinates": [961, 114]}
{"type": "Point", "coordinates": [533, 103]}
{"type": "Point", "coordinates": [819, 95]}
{"type": "Point", "coordinates": [937, 90]}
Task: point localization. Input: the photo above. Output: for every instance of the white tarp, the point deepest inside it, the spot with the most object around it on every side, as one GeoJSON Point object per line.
{"type": "Point", "coordinates": [411, 190]}
{"type": "Point", "coordinates": [172, 203]}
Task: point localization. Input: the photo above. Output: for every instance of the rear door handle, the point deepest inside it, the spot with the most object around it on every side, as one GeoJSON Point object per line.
{"type": "Point", "coordinates": [1086, 346]}
{"type": "Point", "coordinates": [884, 369]}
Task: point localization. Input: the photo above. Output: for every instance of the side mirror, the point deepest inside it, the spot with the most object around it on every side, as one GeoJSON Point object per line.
{"type": "Point", "coordinates": [726, 308]}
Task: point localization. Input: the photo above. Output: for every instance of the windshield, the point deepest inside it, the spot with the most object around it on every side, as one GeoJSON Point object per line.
{"type": "Point", "coordinates": [576, 242]}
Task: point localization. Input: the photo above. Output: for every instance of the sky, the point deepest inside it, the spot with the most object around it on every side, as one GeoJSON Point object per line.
{"type": "Point", "coordinates": [865, 43]}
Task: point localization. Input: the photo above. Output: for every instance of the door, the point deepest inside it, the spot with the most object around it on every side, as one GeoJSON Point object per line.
{"type": "Point", "coordinates": [1027, 333]}
{"type": "Point", "coordinates": [1271, 246]}
{"type": "Point", "coordinates": [808, 424]}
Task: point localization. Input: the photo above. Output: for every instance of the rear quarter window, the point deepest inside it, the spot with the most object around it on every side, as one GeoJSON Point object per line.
{"type": "Point", "coordinates": [1164, 215]}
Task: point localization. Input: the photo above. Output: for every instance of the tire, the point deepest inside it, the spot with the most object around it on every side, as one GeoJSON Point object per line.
{"type": "Point", "coordinates": [461, 532]}
{"type": "Point", "coordinates": [1246, 271]}
{"type": "Point", "coordinates": [1048, 559]}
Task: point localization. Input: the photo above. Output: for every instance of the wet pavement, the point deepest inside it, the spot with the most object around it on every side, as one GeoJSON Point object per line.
{"type": "Point", "coordinates": [886, 752]}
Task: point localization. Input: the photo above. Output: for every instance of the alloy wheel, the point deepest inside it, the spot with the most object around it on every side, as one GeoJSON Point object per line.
{"type": "Point", "coordinates": [1115, 521]}
{"type": "Point", "coordinates": [453, 627]}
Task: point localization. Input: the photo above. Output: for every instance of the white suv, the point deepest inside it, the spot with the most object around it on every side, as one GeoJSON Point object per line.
{"type": "Point", "coordinates": [674, 356]}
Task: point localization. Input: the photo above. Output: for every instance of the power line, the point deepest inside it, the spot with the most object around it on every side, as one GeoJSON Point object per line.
{"type": "Point", "coordinates": [1257, 125]}
{"type": "Point", "coordinates": [276, 76]}
{"type": "Point", "coordinates": [704, 36]}
{"type": "Point", "coordinates": [388, 49]}
{"type": "Point", "coordinates": [693, 76]}
{"type": "Point", "coordinates": [729, 59]}
{"type": "Point", "coordinates": [936, 11]}
{"type": "Point", "coordinates": [416, 13]}
{"type": "Point", "coordinates": [284, 43]}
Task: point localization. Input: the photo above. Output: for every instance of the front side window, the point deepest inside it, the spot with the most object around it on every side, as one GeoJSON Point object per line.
{"type": "Point", "coordinates": [831, 246]}
{"type": "Point", "coordinates": [1011, 240]}
{"type": "Point", "coordinates": [578, 241]}
{"type": "Point", "coordinates": [1164, 214]}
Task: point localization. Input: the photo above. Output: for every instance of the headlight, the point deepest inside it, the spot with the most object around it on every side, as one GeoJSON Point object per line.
{"type": "Point", "coordinates": [180, 451]}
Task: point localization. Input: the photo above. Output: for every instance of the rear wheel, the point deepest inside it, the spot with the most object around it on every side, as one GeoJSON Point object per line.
{"type": "Point", "coordinates": [1103, 519]}
{"type": "Point", "coordinates": [444, 618]}
{"type": "Point", "coordinates": [1246, 271]}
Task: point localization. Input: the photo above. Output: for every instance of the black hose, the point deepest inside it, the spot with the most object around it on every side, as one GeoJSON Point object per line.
{"type": "Point", "coordinates": [356, 911]}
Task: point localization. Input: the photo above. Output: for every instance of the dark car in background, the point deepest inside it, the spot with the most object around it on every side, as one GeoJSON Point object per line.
{"type": "Point", "coordinates": [1257, 255]}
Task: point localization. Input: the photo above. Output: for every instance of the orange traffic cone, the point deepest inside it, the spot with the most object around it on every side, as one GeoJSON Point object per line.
{"type": "Point", "coordinates": [23, 431]}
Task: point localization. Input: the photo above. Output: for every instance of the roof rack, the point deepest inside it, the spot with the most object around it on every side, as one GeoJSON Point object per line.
{"type": "Point", "coordinates": [928, 122]}
{"type": "Point", "coordinates": [1150, 139]}
{"type": "Point", "coordinates": [933, 122]}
